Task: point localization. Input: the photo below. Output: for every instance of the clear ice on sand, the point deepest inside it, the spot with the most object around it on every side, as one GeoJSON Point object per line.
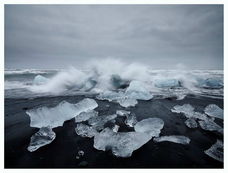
{"type": "Point", "coordinates": [84, 116]}
{"type": "Point", "coordinates": [150, 126]}
{"type": "Point", "coordinates": [131, 120]}
{"type": "Point", "coordinates": [122, 144]}
{"type": "Point", "coordinates": [191, 123]}
{"type": "Point", "coordinates": [41, 138]}
{"type": "Point", "coordinates": [84, 130]}
{"type": "Point", "coordinates": [214, 111]}
{"type": "Point", "coordinates": [216, 151]}
{"type": "Point", "coordinates": [173, 138]}
{"type": "Point", "coordinates": [55, 116]}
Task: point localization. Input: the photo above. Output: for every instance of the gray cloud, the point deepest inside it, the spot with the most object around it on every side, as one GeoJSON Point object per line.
{"type": "Point", "coordinates": [162, 36]}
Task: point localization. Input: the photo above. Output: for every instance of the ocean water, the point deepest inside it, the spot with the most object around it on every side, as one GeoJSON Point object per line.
{"type": "Point", "coordinates": [114, 76]}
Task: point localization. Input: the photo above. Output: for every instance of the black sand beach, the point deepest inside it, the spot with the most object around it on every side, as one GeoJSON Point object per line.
{"type": "Point", "coordinates": [61, 153]}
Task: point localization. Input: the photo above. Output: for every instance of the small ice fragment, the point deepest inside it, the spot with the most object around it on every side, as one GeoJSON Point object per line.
{"type": "Point", "coordinates": [55, 116]}
{"type": "Point", "coordinates": [131, 120]}
{"type": "Point", "coordinates": [174, 138]}
{"type": "Point", "coordinates": [122, 144]}
{"type": "Point", "coordinates": [80, 153]}
{"type": "Point", "coordinates": [216, 151]}
{"type": "Point", "coordinates": [214, 111]}
{"type": "Point", "coordinates": [115, 128]}
{"type": "Point", "coordinates": [191, 123]}
{"type": "Point", "coordinates": [85, 130]}
{"type": "Point", "coordinates": [137, 90]}
{"type": "Point", "coordinates": [98, 122]}
{"type": "Point", "coordinates": [210, 126]}
{"type": "Point", "coordinates": [122, 112]}
{"type": "Point", "coordinates": [151, 126]}
{"type": "Point", "coordinates": [41, 138]}
{"type": "Point", "coordinates": [185, 109]}
{"type": "Point", "coordinates": [127, 102]}
{"type": "Point", "coordinates": [85, 116]}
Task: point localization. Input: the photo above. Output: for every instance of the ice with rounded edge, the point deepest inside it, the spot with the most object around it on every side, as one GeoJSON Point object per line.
{"type": "Point", "coordinates": [210, 126]}
{"type": "Point", "coordinates": [85, 130]}
{"type": "Point", "coordinates": [137, 90]}
{"type": "Point", "coordinates": [84, 116]}
{"type": "Point", "coordinates": [191, 123]}
{"type": "Point", "coordinates": [122, 112]}
{"type": "Point", "coordinates": [131, 120]}
{"type": "Point", "coordinates": [185, 109]}
{"type": "Point", "coordinates": [151, 126]}
{"type": "Point", "coordinates": [41, 138]}
{"type": "Point", "coordinates": [216, 151]}
{"type": "Point", "coordinates": [122, 144]}
{"type": "Point", "coordinates": [127, 102]}
{"type": "Point", "coordinates": [173, 138]}
{"type": "Point", "coordinates": [98, 122]}
{"type": "Point", "coordinates": [56, 116]}
{"type": "Point", "coordinates": [214, 111]}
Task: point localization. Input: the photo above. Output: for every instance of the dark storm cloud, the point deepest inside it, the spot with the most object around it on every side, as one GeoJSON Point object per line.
{"type": "Point", "coordinates": [162, 36]}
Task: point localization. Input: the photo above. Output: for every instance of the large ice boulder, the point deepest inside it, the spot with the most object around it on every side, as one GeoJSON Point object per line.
{"type": "Point", "coordinates": [137, 90]}
{"type": "Point", "coordinates": [122, 144]}
{"type": "Point", "coordinates": [56, 116]}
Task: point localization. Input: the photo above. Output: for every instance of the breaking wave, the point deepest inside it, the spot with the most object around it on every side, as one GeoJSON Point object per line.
{"type": "Point", "coordinates": [114, 75]}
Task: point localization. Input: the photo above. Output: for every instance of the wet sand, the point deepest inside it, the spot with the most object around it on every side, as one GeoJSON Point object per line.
{"type": "Point", "coordinates": [61, 153]}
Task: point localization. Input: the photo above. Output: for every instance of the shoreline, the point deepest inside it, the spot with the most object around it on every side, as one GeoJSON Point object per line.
{"type": "Point", "coordinates": [61, 153]}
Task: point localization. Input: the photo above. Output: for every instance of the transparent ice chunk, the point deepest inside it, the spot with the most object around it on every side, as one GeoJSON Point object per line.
{"type": "Point", "coordinates": [41, 138]}
{"type": "Point", "coordinates": [84, 116]}
{"type": "Point", "coordinates": [98, 122]}
{"type": "Point", "coordinates": [210, 126]}
{"type": "Point", "coordinates": [173, 138]}
{"type": "Point", "coordinates": [214, 111]}
{"type": "Point", "coordinates": [191, 123]}
{"type": "Point", "coordinates": [137, 90]}
{"type": "Point", "coordinates": [122, 144]}
{"type": "Point", "coordinates": [115, 128]}
{"type": "Point", "coordinates": [55, 116]}
{"type": "Point", "coordinates": [185, 109]}
{"type": "Point", "coordinates": [131, 120]}
{"type": "Point", "coordinates": [216, 151]}
{"type": "Point", "coordinates": [151, 126]}
{"type": "Point", "coordinates": [85, 130]}
{"type": "Point", "coordinates": [122, 112]}
{"type": "Point", "coordinates": [40, 80]}
{"type": "Point", "coordinates": [127, 102]}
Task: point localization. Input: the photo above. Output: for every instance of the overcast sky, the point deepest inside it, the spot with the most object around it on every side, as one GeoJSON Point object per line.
{"type": "Point", "coordinates": [162, 36]}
